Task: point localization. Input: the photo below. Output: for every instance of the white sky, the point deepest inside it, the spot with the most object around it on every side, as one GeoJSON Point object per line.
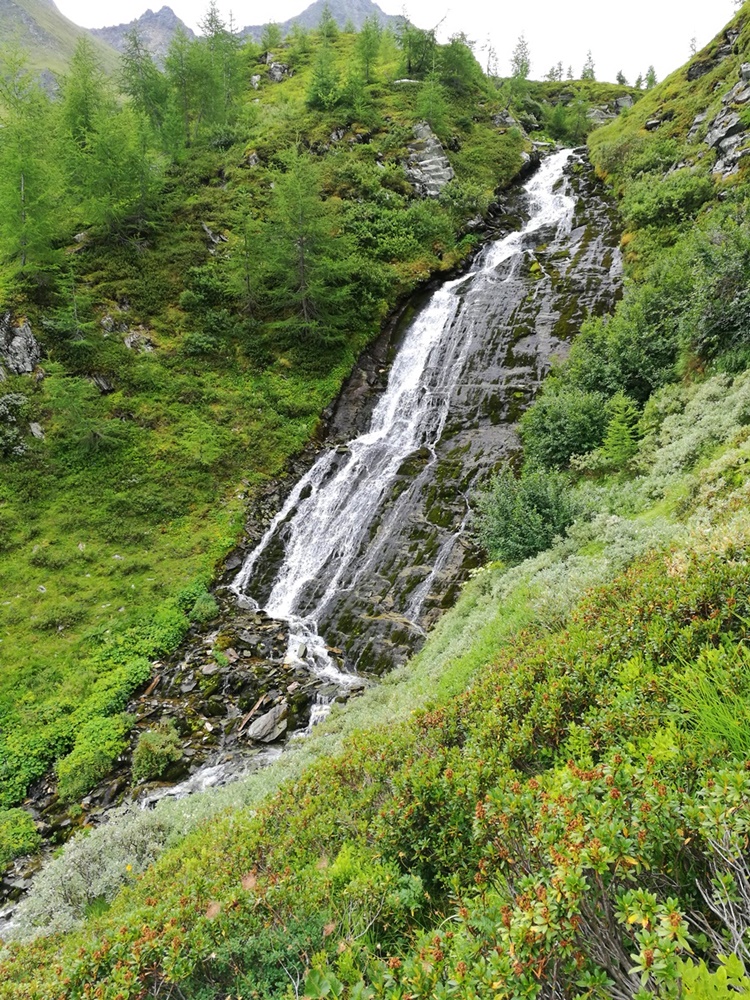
{"type": "Point", "coordinates": [627, 36]}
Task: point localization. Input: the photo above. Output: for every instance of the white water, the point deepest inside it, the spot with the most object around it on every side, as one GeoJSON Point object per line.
{"type": "Point", "coordinates": [327, 515]}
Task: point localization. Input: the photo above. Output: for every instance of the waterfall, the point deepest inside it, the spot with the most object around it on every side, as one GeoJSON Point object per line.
{"type": "Point", "coordinates": [339, 518]}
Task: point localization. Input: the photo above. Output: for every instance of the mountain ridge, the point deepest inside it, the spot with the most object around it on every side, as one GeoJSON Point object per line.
{"type": "Point", "coordinates": [157, 30]}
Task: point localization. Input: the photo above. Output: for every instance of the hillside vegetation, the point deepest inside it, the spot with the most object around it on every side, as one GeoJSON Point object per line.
{"type": "Point", "coordinates": [202, 252]}
{"type": "Point", "coordinates": [553, 799]}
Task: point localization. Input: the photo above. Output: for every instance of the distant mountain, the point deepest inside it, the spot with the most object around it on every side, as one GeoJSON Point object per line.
{"type": "Point", "coordinates": [157, 30]}
{"type": "Point", "coordinates": [342, 10]}
{"type": "Point", "coordinates": [47, 35]}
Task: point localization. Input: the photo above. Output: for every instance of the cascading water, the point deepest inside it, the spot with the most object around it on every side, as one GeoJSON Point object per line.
{"type": "Point", "coordinates": [341, 538]}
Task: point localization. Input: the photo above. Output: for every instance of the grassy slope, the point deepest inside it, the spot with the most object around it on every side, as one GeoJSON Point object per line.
{"type": "Point", "coordinates": [48, 36]}
{"type": "Point", "coordinates": [135, 495]}
{"type": "Point", "coordinates": [574, 772]}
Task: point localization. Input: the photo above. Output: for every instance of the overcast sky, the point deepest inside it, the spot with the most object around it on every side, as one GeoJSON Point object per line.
{"type": "Point", "coordinates": [628, 36]}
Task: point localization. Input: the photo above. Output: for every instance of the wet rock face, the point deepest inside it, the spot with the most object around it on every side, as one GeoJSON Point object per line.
{"type": "Point", "coordinates": [19, 351]}
{"type": "Point", "coordinates": [428, 167]}
{"type": "Point", "coordinates": [509, 322]}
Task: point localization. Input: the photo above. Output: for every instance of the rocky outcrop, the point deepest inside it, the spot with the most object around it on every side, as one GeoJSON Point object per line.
{"type": "Point", "coordinates": [427, 167]}
{"type": "Point", "coordinates": [700, 67]}
{"type": "Point", "coordinates": [19, 351]}
{"type": "Point", "coordinates": [726, 132]}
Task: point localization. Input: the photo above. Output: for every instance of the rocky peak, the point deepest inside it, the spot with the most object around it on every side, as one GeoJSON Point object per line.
{"type": "Point", "coordinates": [156, 29]}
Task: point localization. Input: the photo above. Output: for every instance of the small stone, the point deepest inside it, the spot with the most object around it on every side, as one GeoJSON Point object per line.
{"type": "Point", "coordinates": [37, 431]}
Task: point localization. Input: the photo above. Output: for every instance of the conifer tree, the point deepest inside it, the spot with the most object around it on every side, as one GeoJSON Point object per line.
{"type": "Point", "coordinates": [327, 26]}
{"type": "Point", "coordinates": [588, 71]}
{"type": "Point", "coordinates": [324, 90]}
{"type": "Point", "coordinates": [142, 81]}
{"type": "Point", "coordinates": [621, 438]}
{"type": "Point", "coordinates": [650, 78]}
{"type": "Point", "coordinates": [270, 37]}
{"type": "Point", "coordinates": [520, 61]}
{"type": "Point", "coordinates": [33, 194]}
{"type": "Point", "coordinates": [368, 45]}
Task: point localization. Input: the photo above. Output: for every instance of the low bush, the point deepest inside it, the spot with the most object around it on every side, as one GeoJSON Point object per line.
{"type": "Point", "coordinates": [98, 744]}
{"type": "Point", "coordinates": [518, 517]}
{"type": "Point", "coordinates": [155, 750]}
{"type": "Point", "coordinates": [18, 835]}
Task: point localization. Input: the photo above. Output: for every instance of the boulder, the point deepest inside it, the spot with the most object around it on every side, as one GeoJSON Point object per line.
{"type": "Point", "coordinates": [745, 72]}
{"type": "Point", "coordinates": [19, 351]}
{"type": "Point", "coordinates": [727, 123]}
{"type": "Point", "coordinates": [278, 71]}
{"type": "Point", "coordinates": [698, 69]}
{"type": "Point", "coordinates": [600, 116]}
{"type": "Point", "coordinates": [504, 119]}
{"type": "Point", "coordinates": [270, 726]}
{"type": "Point", "coordinates": [428, 167]}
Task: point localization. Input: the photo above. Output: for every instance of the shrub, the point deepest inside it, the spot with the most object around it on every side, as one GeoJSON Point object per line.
{"type": "Point", "coordinates": [520, 517]}
{"type": "Point", "coordinates": [98, 745]}
{"type": "Point", "coordinates": [204, 610]}
{"type": "Point", "coordinates": [676, 198]}
{"type": "Point", "coordinates": [155, 751]}
{"type": "Point", "coordinates": [18, 835]}
{"type": "Point", "coordinates": [562, 423]}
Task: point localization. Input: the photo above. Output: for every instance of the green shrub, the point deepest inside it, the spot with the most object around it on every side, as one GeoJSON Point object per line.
{"type": "Point", "coordinates": [562, 423]}
{"type": "Point", "coordinates": [98, 745]}
{"type": "Point", "coordinates": [18, 835]}
{"type": "Point", "coordinates": [155, 751]}
{"type": "Point", "coordinates": [204, 610]}
{"type": "Point", "coordinates": [676, 198]}
{"type": "Point", "coordinates": [519, 517]}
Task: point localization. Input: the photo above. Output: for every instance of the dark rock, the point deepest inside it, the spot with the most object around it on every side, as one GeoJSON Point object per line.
{"type": "Point", "coordinates": [102, 383]}
{"type": "Point", "coordinates": [652, 124]}
{"type": "Point", "coordinates": [19, 351]}
{"type": "Point", "coordinates": [724, 125]}
{"type": "Point", "coordinates": [699, 69]}
{"type": "Point", "coordinates": [279, 71]}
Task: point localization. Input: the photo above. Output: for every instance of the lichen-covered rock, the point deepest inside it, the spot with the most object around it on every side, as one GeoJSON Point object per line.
{"type": "Point", "coordinates": [19, 351]}
{"type": "Point", "coordinates": [278, 71]}
{"type": "Point", "coordinates": [428, 168]}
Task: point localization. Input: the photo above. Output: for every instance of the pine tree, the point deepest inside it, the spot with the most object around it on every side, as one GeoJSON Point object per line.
{"type": "Point", "coordinates": [324, 90]}
{"type": "Point", "coordinates": [650, 78]}
{"type": "Point", "coordinates": [368, 45]}
{"type": "Point", "coordinates": [327, 26]}
{"type": "Point", "coordinates": [270, 36]}
{"type": "Point", "coordinates": [588, 73]}
{"type": "Point", "coordinates": [33, 194]}
{"type": "Point", "coordinates": [520, 61]}
{"type": "Point", "coordinates": [142, 81]}
{"type": "Point", "coordinates": [621, 439]}
{"type": "Point", "coordinates": [620, 78]}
